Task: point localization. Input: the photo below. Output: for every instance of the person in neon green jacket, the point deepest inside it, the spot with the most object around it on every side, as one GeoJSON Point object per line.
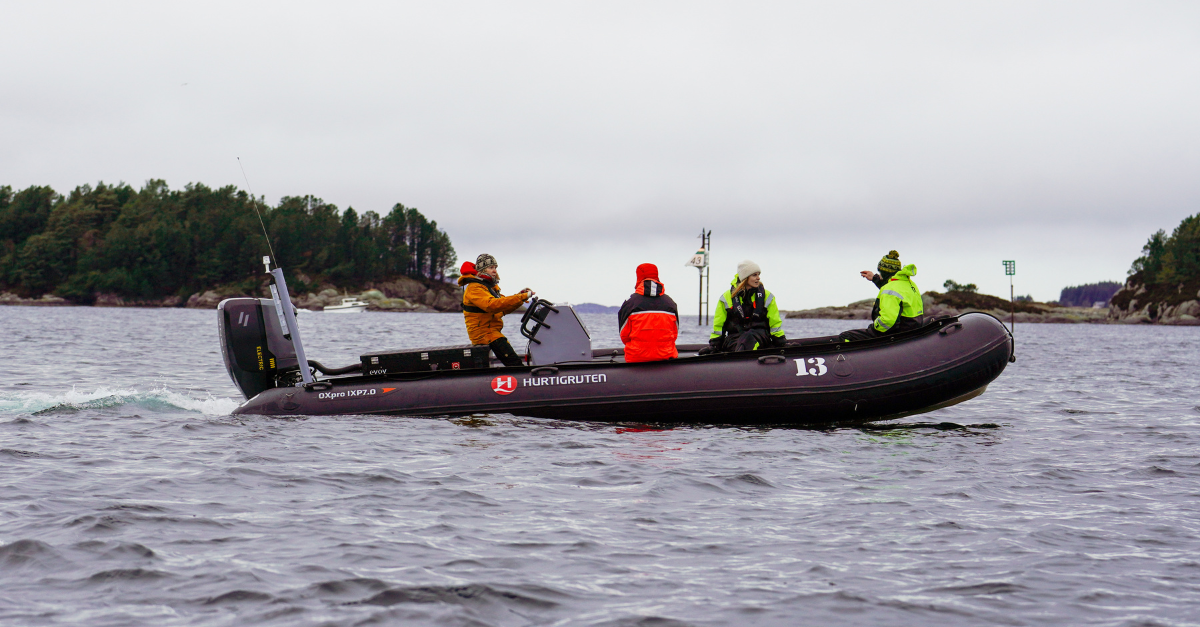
{"type": "Point", "coordinates": [747, 316]}
{"type": "Point", "coordinates": [898, 307]}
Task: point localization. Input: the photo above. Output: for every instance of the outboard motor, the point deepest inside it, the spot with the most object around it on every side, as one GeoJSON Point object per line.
{"type": "Point", "coordinates": [258, 354]}
{"type": "Point", "coordinates": [556, 334]}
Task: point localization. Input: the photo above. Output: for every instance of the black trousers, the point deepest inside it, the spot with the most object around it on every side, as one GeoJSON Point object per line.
{"type": "Point", "coordinates": [859, 334]}
{"type": "Point", "coordinates": [902, 324]}
{"type": "Point", "coordinates": [505, 353]}
{"type": "Point", "coordinates": [747, 340]}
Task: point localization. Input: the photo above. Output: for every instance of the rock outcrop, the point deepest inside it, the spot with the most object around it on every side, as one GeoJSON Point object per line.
{"type": "Point", "coordinates": [206, 300]}
{"type": "Point", "coordinates": [405, 287]}
{"type": "Point", "coordinates": [858, 310]}
{"type": "Point", "coordinates": [401, 295]}
{"type": "Point", "coordinates": [47, 300]}
{"type": "Point", "coordinates": [112, 300]}
{"type": "Point", "coordinates": [1137, 304]}
{"type": "Point", "coordinates": [377, 299]}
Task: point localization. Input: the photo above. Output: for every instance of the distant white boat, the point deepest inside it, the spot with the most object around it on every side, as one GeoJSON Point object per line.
{"type": "Point", "coordinates": [349, 305]}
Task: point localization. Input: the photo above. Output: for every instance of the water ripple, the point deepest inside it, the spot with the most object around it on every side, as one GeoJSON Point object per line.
{"type": "Point", "coordinates": [1066, 494]}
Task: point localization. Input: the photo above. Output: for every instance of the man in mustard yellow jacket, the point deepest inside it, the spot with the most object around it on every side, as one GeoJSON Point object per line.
{"type": "Point", "coordinates": [484, 307]}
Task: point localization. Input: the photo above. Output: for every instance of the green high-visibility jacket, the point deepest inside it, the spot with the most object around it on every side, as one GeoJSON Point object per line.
{"type": "Point", "coordinates": [898, 298]}
{"type": "Point", "coordinates": [725, 304]}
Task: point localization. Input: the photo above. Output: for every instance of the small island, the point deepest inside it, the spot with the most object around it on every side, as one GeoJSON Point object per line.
{"type": "Point", "coordinates": [1164, 283]}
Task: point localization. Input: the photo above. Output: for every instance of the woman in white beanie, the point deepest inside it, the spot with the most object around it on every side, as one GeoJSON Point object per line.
{"type": "Point", "coordinates": [747, 317]}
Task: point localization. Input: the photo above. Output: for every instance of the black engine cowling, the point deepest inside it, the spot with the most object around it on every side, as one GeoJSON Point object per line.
{"type": "Point", "coordinates": [255, 350]}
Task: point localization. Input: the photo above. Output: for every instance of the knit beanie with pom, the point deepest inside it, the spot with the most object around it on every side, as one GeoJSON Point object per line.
{"type": "Point", "coordinates": [890, 264]}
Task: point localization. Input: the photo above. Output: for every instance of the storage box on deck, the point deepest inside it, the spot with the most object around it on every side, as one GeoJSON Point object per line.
{"type": "Point", "coordinates": [426, 359]}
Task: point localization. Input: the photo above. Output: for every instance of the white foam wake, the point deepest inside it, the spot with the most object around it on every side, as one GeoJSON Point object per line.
{"type": "Point", "coordinates": [159, 399]}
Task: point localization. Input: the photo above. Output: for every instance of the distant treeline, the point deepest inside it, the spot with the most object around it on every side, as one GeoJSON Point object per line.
{"type": "Point", "coordinates": [155, 242]}
{"type": "Point", "coordinates": [1088, 295]}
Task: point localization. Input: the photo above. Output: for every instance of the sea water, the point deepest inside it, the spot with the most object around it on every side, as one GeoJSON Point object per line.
{"type": "Point", "coordinates": [1069, 493]}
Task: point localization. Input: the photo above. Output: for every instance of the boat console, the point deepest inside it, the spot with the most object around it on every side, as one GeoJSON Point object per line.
{"type": "Point", "coordinates": [556, 334]}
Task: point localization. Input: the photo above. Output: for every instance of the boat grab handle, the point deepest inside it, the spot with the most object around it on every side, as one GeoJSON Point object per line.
{"type": "Point", "coordinates": [544, 371]}
{"type": "Point", "coordinates": [772, 359]}
{"type": "Point", "coordinates": [946, 329]}
{"type": "Point", "coordinates": [531, 314]}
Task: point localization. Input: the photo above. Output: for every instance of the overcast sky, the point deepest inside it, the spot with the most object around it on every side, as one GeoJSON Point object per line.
{"type": "Point", "coordinates": [576, 140]}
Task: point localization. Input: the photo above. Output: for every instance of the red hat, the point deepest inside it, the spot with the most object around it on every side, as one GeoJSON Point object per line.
{"type": "Point", "coordinates": [647, 271]}
{"type": "Point", "coordinates": [467, 268]}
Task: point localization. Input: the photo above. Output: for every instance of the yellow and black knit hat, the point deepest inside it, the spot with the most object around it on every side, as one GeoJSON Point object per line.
{"type": "Point", "coordinates": [890, 264]}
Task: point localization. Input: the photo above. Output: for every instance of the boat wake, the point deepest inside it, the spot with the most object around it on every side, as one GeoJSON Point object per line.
{"type": "Point", "coordinates": [103, 398]}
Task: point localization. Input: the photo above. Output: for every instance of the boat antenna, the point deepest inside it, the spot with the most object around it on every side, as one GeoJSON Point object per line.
{"type": "Point", "coordinates": [270, 249]}
{"type": "Point", "coordinates": [279, 293]}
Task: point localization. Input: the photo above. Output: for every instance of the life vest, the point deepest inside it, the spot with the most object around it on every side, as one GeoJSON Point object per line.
{"type": "Point", "coordinates": [489, 285]}
{"type": "Point", "coordinates": [748, 310]}
{"type": "Point", "coordinates": [752, 309]}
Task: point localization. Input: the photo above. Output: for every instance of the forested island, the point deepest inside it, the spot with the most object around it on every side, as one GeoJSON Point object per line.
{"type": "Point", "coordinates": [1164, 283]}
{"type": "Point", "coordinates": [112, 244]}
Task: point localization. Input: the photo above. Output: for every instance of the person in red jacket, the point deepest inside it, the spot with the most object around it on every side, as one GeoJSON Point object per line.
{"type": "Point", "coordinates": [649, 320]}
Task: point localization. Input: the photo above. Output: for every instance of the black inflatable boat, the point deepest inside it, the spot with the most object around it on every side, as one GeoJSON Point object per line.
{"type": "Point", "coordinates": [810, 382]}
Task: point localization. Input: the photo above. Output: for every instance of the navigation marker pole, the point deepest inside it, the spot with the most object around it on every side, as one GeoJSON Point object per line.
{"type": "Point", "coordinates": [1010, 268]}
{"type": "Point", "coordinates": [700, 262]}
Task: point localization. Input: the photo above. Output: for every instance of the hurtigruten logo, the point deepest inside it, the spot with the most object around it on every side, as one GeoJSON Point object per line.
{"type": "Point", "coordinates": [505, 385]}
{"type": "Point", "coordinates": [569, 379]}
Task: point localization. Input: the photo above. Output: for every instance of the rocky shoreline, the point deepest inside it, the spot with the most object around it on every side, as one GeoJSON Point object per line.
{"type": "Point", "coordinates": [399, 295]}
{"type": "Point", "coordinates": [937, 304]}
{"type": "Point", "coordinates": [47, 300]}
{"type": "Point", "coordinates": [1177, 305]}
{"type": "Point", "coordinates": [1135, 303]}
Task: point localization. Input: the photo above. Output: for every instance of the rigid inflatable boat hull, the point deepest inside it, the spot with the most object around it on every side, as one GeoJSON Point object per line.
{"type": "Point", "coordinates": [946, 362]}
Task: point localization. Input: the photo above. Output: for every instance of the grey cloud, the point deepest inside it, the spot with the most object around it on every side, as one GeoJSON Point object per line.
{"type": "Point", "coordinates": [770, 121]}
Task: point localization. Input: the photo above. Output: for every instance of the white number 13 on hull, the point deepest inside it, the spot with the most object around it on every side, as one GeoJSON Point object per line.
{"type": "Point", "coordinates": [819, 368]}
